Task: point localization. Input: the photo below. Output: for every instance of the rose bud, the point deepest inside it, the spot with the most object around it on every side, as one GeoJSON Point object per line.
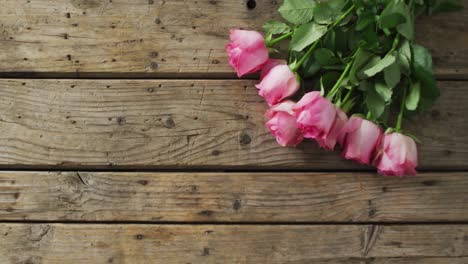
{"type": "Point", "coordinates": [360, 138]}
{"type": "Point", "coordinates": [269, 65]}
{"type": "Point", "coordinates": [279, 83]}
{"type": "Point", "coordinates": [315, 115]}
{"type": "Point", "coordinates": [330, 140]}
{"type": "Point", "coordinates": [247, 51]}
{"type": "Point", "coordinates": [282, 124]}
{"type": "Point", "coordinates": [398, 155]}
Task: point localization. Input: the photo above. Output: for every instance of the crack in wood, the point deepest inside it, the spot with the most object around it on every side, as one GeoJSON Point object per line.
{"type": "Point", "coordinates": [41, 235]}
{"type": "Point", "coordinates": [371, 234]}
{"type": "Point", "coordinates": [81, 179]}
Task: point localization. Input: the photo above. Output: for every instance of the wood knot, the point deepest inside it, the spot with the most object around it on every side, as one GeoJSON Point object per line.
{"type": "Point", "coordinates": [251, 4]}
{"type": "Point", "coordinates": [206, 213]}
{"type": "Point", "coordinates": [245, 139]}
{"type": "Point", "coordinates": [206, 251]}
{"type": "Point", "coordinates": [169, 123]}
{"type": "Point", "coordinates": [143, 182]}
{"type": "Point", "coordinates": [429, 183]}
{"type": "Point", "coordinates": [237, 204]}
{"type": "Point", "coordinates": [121, 120]}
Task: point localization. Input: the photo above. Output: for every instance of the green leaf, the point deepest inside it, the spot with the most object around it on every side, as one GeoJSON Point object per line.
{"type": "Point", "coordinates": [404, 58]}
{"type": "Point", "coordinates": [422, 71]}
{"type": "Point", "coordinates": [341, 40]}
{"type": "Point", "coordinates": [375, 103]}
{"type": "Point", "coordinates": [328, 80]}
{"type": "Point", "coordinates": [407, 28]}
{"type": "Point", "coordinates": [413, 97]}
{"type": "Point", "coordinates": [310, 67]}
{"type": "Point", "coordinates": [362, 57]}
{"type": "Point", "coordinates": [306, 34]}
{"type": "Point", "coordinates": [439, 6]}
{"type": "Point", "coordinates": [275, 27]}
{"type": "Point", "coordinates": [364, 20]}
{"type": "Point", "coordinates": [392, 75]}
{"type": "Point", "coordinates": [373, 69]}
{"type": "Point", "coordinates": [422, 59]}
{"type": "Point", "coordinates": [328, 11]}
{"type": "Point", "coordinates": [391, 20]}
{"type": "Point", "coordinates": [297, 11]}
{"type": "Point", "coordinates": [364, 85]}
{"type": "Point", "coordinates": [393, 14]}
{"type": "Point", "coordinates": [384, 91]}
{"type": "Point", "coordinates": [370, 38]}
{"type": "Point", "coordinates": [329, 40]}
{"type": "Point", "coordinates": [325, 57]}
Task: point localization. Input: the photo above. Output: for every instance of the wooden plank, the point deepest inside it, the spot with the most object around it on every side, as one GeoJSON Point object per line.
{"type": "Point", "coordinates": [228, 197]}
{"type": "Point", "coordinates": [157, 124]}
{"type": "Point", "coordinates": [163, 38]}
{"type": "Point", "coordinates": [74, 243]}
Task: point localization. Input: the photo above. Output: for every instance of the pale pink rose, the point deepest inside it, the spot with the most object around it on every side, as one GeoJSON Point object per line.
{"type": "Point", "coordinates": [279, 83]}
{"type": "Point", "coordinates": [269, 65]}
{"type": "Point", "coordinates": [360, 138]}
{"type": "Point", "coordinates": [398, 155]}
{"type": "Point", "coordinates": [247, 51]}
{"type": "Point", "coordinates": [282, 124]}
{"type": "Point", "coordinates": [330, 140]}
{"type": "Point", "coordinates": [315, 115]}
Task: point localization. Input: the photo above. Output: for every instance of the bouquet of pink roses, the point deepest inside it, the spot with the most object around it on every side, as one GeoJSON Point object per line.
{"type": "Point", "coordinates": [360, 60]}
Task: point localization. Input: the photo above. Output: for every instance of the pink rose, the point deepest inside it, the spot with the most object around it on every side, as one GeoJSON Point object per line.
{"type": "Point", "coordinates": [330, 140]}
{"type": "Point", "coordinates": [315, 115]}
{"type": "Point", "coordinates": [269, 65]}
{"type": "Point", "coordinates": [282, 124]}
{"type": "Point", "coordinates": [279, 83]}
{"type": "Point", "coordinates": [359, 138]}
{"type": "Point", "coordinates": [398, 155]}
{"type": "Point", "coordinates": [247, 51]}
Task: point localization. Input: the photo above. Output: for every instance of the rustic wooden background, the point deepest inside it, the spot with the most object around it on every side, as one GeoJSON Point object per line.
{"type": "Point", "coordinates": [125, 137]}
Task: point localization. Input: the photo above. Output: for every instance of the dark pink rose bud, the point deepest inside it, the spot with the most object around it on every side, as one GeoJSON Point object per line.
{"type": "Point", "coordinates": [360, 138]}
{"type": "Point", "coordinates": [247, 51]}
{"type": "Point", "coordinates": [329, 141]}
{"type": "Point", "coordinates": [277, 84]}
{"type": "Point", "coordinates": [315, 115]}
{"type": "Point", "coordinates": [397, 155]}
{"type": "Point", "coordinates": [282, 124]}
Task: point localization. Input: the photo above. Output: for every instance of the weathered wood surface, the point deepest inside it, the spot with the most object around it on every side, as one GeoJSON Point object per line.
{"type": "Point", "coordinates": [70, 243]}
{"type": "Point", "coordinates": [164, 38]}
{"type": "Point", "coordinates": [240, 197]}
{"type": "Point", "coordinates": [183, 124]}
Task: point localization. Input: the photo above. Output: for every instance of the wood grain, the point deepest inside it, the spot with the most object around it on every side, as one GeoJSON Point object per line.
{"type": "Point", "coordinates": [228, 197]}
{"type": "Point", "coordinates": [59, 243]}
{"type": "Point", "coordinates": [183, 124]}
{"type": "Point", "coordinates": [163, 38]}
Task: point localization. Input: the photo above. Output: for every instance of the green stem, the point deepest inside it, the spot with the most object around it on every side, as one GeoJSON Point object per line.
{"type": "Point", "coordinates": [402, 108]}
{"type": "Point", "coordinates": [369, 115]}
{"type": "Point", "coordinates": [343, 16]}
{"type": "Point", "coordinates": [395, 44]}
{"type": "Point", "coordinates": [348, 95]}
{"type": "Point", "coordinates": [299, 63]}
{"type": "Point", "coordinates": [337, 85]}
{"type": "Point", "coordinates": [278, 39]}
{"type": "Point", "coordinates": [311, 49]}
